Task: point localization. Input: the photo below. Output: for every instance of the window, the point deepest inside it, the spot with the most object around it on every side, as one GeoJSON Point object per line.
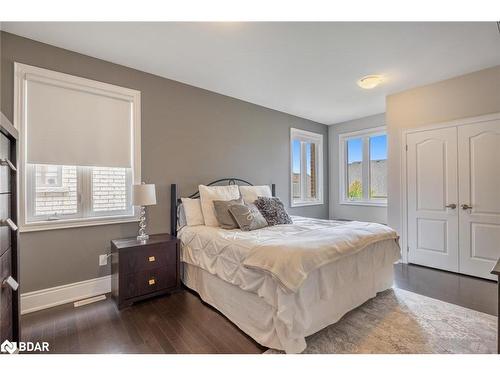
{"type": "Point", "coordinates": [306, 168]}
{"type": "Point", "coordinates": [66, 196]}
{"type": "Point", "coordinates": [49, 176]}
{"type": "Point", "coordinates": [80, 149]}
{"type": "Point", "coordinates": [363, 166]}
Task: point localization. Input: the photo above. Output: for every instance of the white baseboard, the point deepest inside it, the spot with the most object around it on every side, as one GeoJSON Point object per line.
{"type": "Point", "coordinates": [59, 295]}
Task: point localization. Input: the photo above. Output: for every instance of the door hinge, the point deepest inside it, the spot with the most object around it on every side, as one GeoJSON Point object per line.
{"type": "Point", "coordinates": [406, 147]}
{"type": "Point", "coordinates": [407, 249]}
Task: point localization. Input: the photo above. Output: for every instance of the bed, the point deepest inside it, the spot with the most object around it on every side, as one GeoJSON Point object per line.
{"type": "Point", "coordinates": [266, 282]}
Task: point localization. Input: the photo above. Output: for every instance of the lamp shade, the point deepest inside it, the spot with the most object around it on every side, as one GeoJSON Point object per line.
{"type": "Point", "coordinates": [143, 195]}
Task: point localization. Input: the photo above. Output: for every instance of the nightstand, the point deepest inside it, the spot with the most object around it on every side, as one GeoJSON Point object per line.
{"type": "Point", "coordinates": [144, 269]}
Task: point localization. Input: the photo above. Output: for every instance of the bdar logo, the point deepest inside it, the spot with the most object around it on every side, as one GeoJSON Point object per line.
{"type": "Point", "coordinates": [8, 347]}
{"type": "Point", "coordinates": [24, 346]}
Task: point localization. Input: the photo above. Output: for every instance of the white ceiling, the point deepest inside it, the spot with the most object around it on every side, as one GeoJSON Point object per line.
{"type": "Point", "coordinates": [305, 69]}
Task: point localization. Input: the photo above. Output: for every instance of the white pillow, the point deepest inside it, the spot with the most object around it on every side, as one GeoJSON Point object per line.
{"type": "Point", "coordinates": [251, 193]}
{"type": "Point", "coordinates": [208, 194]}
{"type": "Point", "coordinates": [192, 211]}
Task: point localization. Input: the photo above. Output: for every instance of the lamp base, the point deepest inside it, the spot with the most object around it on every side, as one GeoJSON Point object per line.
{"type": "Point", "coordinates": [143, 237]}
{"type": "Point", "coordinates": [142, 225]}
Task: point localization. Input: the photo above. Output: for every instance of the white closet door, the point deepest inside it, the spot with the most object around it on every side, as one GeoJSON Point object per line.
{"type": "Point", "coordinates": [432, 186]}
{"type": "Point", "coordinates": [479, 182]}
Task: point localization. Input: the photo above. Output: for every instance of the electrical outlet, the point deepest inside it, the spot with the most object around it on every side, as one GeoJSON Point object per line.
{"type": "Point", "coordinates": [103, 259]}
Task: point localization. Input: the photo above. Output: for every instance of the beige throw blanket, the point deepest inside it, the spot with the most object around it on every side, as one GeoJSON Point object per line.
{"type": "Point", "coordinates": [290, 259]}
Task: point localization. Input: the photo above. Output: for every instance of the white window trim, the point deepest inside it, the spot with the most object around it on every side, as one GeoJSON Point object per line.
{"type": "Point", "coordinates": [365, 134]}
{"type": "Point", "coordinates": [134, 96]}
{"type": "Point", "coordinates": [307, 136]}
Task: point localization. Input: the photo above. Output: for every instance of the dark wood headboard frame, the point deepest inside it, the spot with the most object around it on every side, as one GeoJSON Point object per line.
{"type": "Point", "coordinates": [175, 201]}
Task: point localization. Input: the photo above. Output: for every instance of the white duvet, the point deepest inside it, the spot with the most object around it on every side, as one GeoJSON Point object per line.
{"type": "Point", "coordinates": [289, 253]}
{"type": "Point", "coordinates": [293, 252]}
{"type": "Point", "coordinates": [223, 253]}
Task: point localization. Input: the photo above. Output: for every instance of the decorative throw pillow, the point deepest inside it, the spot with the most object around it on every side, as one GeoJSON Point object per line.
{"type": "Point", "coordinates": [224, 217]}
{"type": "Point", "coordinates": [273, 210]}
{"type": "Point", "coordinates": [192, 211]}
{"type": "Point", "coordinates": [181, 217]}
{"type": "Point", "coordinates": [209, 194]}
{"type": "Point", "coordinates": [251, 193]}
{"type": "Point", "coordinates": [247, 216]}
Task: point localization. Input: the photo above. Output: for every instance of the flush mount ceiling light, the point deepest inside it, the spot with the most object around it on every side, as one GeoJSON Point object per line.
{"type": "Point", "coordinates": [371, 81]}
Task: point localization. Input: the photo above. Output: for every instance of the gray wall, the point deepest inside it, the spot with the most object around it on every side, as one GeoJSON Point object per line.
{"type": "Point", "coordinates": [342, 211]}
{"type": "Point", "coordinates": [469, 95]}
{"type": "Point", "coordinates": [189, 136]}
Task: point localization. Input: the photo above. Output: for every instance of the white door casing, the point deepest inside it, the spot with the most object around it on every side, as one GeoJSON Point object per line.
{"type": "Point", "coordinates": [432, 186]}
{"type": "Point", "coordinates": [479, 187]}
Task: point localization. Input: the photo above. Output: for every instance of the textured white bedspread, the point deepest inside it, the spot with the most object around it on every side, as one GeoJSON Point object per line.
{"type": "Point", "coordinates": [327, 293]}
{"type": "Point", "coordinates": [291, 252]}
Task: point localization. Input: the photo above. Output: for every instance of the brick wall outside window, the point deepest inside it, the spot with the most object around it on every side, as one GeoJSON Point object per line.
{"type": "Point", "coordinates": [57, 200]}
{"type": "Point", "coordinates": [109, 189]}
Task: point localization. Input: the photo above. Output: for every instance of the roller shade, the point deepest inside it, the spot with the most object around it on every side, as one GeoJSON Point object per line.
{"type": "Point", "coordinates": [71, 124]}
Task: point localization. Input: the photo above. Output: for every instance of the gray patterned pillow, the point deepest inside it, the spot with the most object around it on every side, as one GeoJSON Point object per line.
{"type": "Point", "coordinates": [273, 210]}
{"type": "Point", "coordinates": [248, 217]}
{"type": "Point", "coordinates": [225, 219]}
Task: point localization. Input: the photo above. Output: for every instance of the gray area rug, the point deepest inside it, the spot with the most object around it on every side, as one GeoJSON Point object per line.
{"type": "Point", "coordinates": [398, 321]}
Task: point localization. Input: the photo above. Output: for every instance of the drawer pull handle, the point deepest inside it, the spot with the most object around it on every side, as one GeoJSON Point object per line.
{"type": "Point", "coordinates": [9, 163]}
{"type": "Point", "coordinates": [10, 224]}
{"type": "Point", "coordinates": [152, 259]}
{"type": "Point", "coordinates": [152, 281]}
{"type": "Point", "coordinates": [11, 282]}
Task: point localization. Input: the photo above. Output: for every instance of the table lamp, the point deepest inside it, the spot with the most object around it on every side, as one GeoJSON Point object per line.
{"type": "Point", "coordinates": [143, 195]}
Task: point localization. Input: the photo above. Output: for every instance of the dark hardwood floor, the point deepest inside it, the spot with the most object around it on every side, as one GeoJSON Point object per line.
{"type": "Point", "coordinates": [177, 323]}
{"type": "Point", "coordinates": [467, 291]}
{"type": "Point", "coordinates": [181, 323]}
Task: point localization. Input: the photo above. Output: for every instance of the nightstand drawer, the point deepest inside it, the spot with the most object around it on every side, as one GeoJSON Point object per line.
{"type": "Point", "coordinates": [148, 258]}
{"type": "Point", "coordinates": [141, 283]}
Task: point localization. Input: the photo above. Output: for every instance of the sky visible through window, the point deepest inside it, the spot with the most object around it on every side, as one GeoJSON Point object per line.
{"type": "Point", "coordinates": [378, 149]}
{"type": "Point", "coordinates": [296, 156]}
{"type": "Point", "coordinates": [354, 150]}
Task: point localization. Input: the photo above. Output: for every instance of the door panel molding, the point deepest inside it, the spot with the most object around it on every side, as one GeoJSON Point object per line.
{"type": "Point", "coordinates": [441, 206]}
{"type": "Point", "coordinates": [403, 208]}
{"type": "Point", "coordinates": [432, 178]}
{"type": "Point", "coordinates": [479, 187]}
{"type": "Point", "coordinates": [423, 243]}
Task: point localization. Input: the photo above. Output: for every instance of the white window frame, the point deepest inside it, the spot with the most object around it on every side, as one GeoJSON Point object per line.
{"type": "Point", "coordinates": [85, 187]}
{"type": "Point", "coordinates": [306, 136]}
{"type": "Point", "coordinates": [84, 199]}
{"type": "Point", "coordinates": [365, 167]}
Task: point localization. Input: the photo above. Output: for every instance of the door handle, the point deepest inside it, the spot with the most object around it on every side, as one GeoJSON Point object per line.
{"type": "Point", "coordinates": [9, 163]}
{"type": "Point", "coordinates": [10, 224]}
{"type": "Point", "coordinates": [11, 282]}
{"type": "Point", "coordinates": [451, 205]}
{"type": "Point", "coordinates": [465, 207]}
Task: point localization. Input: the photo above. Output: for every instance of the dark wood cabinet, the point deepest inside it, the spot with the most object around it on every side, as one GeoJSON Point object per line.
{"type": "Point", "coordinates": [144, 269]}
{"type": "Point", "coordinates": [9, 256]}
{"type": "Point", "coordinates": [6, 321]}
